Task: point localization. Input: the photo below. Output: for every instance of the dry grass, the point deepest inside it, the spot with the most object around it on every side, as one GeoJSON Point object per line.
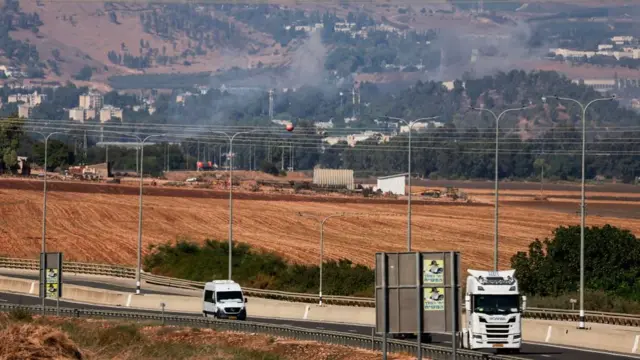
{"type": "Point", "coordinates": [100, 227]}
{"type": "Point", "coordinates": [57, 338]}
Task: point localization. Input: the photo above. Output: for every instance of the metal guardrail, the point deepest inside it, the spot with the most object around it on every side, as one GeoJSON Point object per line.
{"type": "Point", "coordinates": [129, 273]}
{"type": "Point", "coordinates": [371, 342]}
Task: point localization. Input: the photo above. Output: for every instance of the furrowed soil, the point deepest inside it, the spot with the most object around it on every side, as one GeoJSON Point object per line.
{"type": "Point", "coordinates": [99, 223]}
{"type": "Point", "coordinates": [24, 337]}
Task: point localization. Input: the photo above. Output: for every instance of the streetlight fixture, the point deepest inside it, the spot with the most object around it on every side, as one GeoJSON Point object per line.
{"type": "Point", "coordinates": [410, 125]}
{"type": "Point", "coordinates": [322, 221]}
{"type": "Point", "coordinates": [44, 210]}
{"type": "Point", "coordinates": [141, 142]}
{"type": "Point", "coordinates": [582, 190]}
{"type": "Point", "coordinates": [495, 215]}
{"type": "Point", "coordinates": [230, 138]}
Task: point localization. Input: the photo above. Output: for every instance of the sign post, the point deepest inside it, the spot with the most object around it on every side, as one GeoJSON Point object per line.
{"type": "Point", "coordinates": [412, 289]}
{"type": "Point", "coordinates": [51, 279]}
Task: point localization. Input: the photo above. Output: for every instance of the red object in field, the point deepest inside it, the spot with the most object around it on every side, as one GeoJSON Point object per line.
{"type": "Point", "coordinates": [289, 127]}
{"type": "Point", "coordinates": [199, 164]}
{"type": "Point", "coordinates": [210, 164]}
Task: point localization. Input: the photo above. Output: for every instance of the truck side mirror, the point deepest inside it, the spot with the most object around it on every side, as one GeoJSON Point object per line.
{"type": "Point", "coordinates": [467, 302]}
{"type": "Point", "coordinates": [524, 303]}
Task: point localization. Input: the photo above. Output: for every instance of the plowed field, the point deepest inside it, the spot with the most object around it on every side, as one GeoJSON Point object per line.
{"type": "Point", "coordinates": [101, 226]}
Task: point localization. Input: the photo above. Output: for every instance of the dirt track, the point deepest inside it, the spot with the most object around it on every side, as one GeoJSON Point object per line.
{"type": "Point", "coordinates": [101, 226]}
{"type": "Point", "coordinates": [92, 188]}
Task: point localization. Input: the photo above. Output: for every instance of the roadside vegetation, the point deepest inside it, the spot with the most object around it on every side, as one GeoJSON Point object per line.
{"type": "Point", "coordinates": [548, 272]}
{"type": "Point", "coordinates": [252, 268]}
{"type": "Point", "coordinates": [23, 336]}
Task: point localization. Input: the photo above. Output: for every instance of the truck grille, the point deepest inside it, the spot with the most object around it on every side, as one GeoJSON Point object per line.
{"type": "Point", "coordinates": [232, 310]}
{"type": "Point", "coordinates": [497, 334]}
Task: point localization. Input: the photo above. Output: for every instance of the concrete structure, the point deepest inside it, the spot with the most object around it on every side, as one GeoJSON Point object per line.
{"type": "Point", "coordinates": [395, 184]}
{"type": "Point", "coordinates": [24, 111]}
{"type": "Point", "coordinates": [333, 178]}
{"type": "Point", "coordinates": [81, 115]}
{"type": "Point", "coordinates": [108, 112]}
{"type": "Point", "coordinates": [92, 100]}
{"type": "Point", "coordinates": [29, 99]}
{"type": "Point", "coordinates": [598, 84]}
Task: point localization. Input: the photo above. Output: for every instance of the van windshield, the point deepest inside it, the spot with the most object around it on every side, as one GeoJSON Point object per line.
{"type": "Point", "coordinates": [224, 296]}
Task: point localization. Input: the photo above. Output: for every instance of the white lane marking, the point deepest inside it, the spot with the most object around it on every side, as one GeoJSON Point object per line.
{"type": "Point", "coordinates": [320, 328]}
{"type": "Point", "coordinates": [446, 342]}
{"type": "Point", "coordinates": [635, 344]}
{"type": "Point", "coordinates": [33, 287]}
{"type": "Point", "coordinates": [545, 355]}
{"type": "Point", "coordinates": [548, 334]}
{"type": "Point", "coordinates": [129, 300]}
{"type": "Point", "coordinates": [3, 300]}
{"type": "Point", "coordinates": [306, 312]}
{"type": "Point", "coordinates": [351, 330]}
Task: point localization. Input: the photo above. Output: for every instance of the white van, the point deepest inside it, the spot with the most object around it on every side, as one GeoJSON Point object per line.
{"type": "Point", "coordinates": [223, 299]}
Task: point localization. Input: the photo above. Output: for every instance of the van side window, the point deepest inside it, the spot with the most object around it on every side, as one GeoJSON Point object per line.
{"type": "Point", "coordinates": [208, 296]}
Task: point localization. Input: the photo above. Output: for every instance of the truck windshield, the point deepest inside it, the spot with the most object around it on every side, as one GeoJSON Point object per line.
{"type": "Point", "coordinates": [223, 296]}
{"type": "Point", "coordinates": [496, 304]}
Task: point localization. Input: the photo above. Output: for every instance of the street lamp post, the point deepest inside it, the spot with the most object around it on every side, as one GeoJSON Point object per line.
{"type": "Point", "coordinates": [139, 257]}
{"type": "Point", "coordinates": [230, 138]}
{"type": "Point", "coordinates": [410, 125]}
{"type": "Point", "coordinates": [582, 195]}
{"type": "Point", "coordinates": [495, 215]}
{"type": "Point", "coordinates": [44, 212]}
{"type": "Point", "coordinates": [322, 221]}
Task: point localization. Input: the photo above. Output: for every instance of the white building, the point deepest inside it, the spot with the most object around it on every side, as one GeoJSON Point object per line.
{"type": "Point", "coordinates": [395, 184]}
{"type": "Point", "coordinates": [620, 40]}
{"type": "Point", "coordinates": [29, 99]}
{"type": "Point", "coordinates": [92, 100]}
{"type": "Point", "coordinates": [81, 115]}
{"type": "Point", "coordinates": [108, 112]}
{"type": "Point", "coordinates": [421, 126]}
{"type": "Point", "coordinates": [323, 124]}
{"type": "Point", "coordinates": [24, 111]}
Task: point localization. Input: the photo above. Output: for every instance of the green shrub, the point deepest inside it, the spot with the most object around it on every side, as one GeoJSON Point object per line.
{"type": "Point", "coordinates": [264, 270]}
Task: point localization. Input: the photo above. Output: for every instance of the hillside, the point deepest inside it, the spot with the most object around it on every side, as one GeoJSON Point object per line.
{"type": "Point", "coordinates": [74, 35]}
{"type": "Point", "coordinates": [87, 42]}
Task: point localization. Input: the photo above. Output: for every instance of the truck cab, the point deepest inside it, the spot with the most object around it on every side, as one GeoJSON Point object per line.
{"type": "Point", "coordinates": [493, 311]}
{"type": "Point", "coordinates": [223, 299]}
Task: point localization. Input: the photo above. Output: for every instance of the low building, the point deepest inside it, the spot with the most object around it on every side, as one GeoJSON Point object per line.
{"type": "Point", "coordinates": [24, 111]}
{"type": "Point", "coordinates": [394, 184]}
{"type": "Point", "coordinates": [81, 115]}
{"type": "Point", "coordinates": [29, 99]}
{"type": "Point", "coordinates": [108, 112]}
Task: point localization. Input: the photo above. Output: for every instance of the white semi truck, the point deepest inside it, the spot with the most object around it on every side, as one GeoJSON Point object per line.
{"type": "Point", "coordinates": [493, 311]}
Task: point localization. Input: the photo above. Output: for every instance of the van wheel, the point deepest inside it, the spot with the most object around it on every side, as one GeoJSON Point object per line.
{"type": "Point", "coordinates": [204, 314]}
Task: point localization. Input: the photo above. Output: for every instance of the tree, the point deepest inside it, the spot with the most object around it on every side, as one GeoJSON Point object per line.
{"type": "Point", "coordinates": [269, 168]}
{"type": "Point", "coordinates": [10, 134]}
{"type": "Point", "coordinates": [85, 73]}
{"type": "Point", "coordinates": [552, 266]}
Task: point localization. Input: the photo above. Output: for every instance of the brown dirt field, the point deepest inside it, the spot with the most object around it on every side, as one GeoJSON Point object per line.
{"type": "Point", "coordinates": [102, 226]}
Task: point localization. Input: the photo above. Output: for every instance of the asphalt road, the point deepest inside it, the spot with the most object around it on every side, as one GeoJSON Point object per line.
{"type": "Point", "coordinates": [529, 351]}
{"type": "Point", "coordinates": [91, 283]}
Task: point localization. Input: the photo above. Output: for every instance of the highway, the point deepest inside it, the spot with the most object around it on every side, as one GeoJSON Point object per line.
{"type": "Point", "coordinates": [528, 351]}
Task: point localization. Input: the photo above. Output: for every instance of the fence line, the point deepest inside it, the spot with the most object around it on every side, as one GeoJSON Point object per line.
{"type": "Point", "coordinates": [369, 342]}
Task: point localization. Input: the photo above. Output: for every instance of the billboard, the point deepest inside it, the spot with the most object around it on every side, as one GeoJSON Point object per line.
{"type": "Point", "coordinates": [51, 275]}
{"type": "Point", "coordinates": [418, 292]}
